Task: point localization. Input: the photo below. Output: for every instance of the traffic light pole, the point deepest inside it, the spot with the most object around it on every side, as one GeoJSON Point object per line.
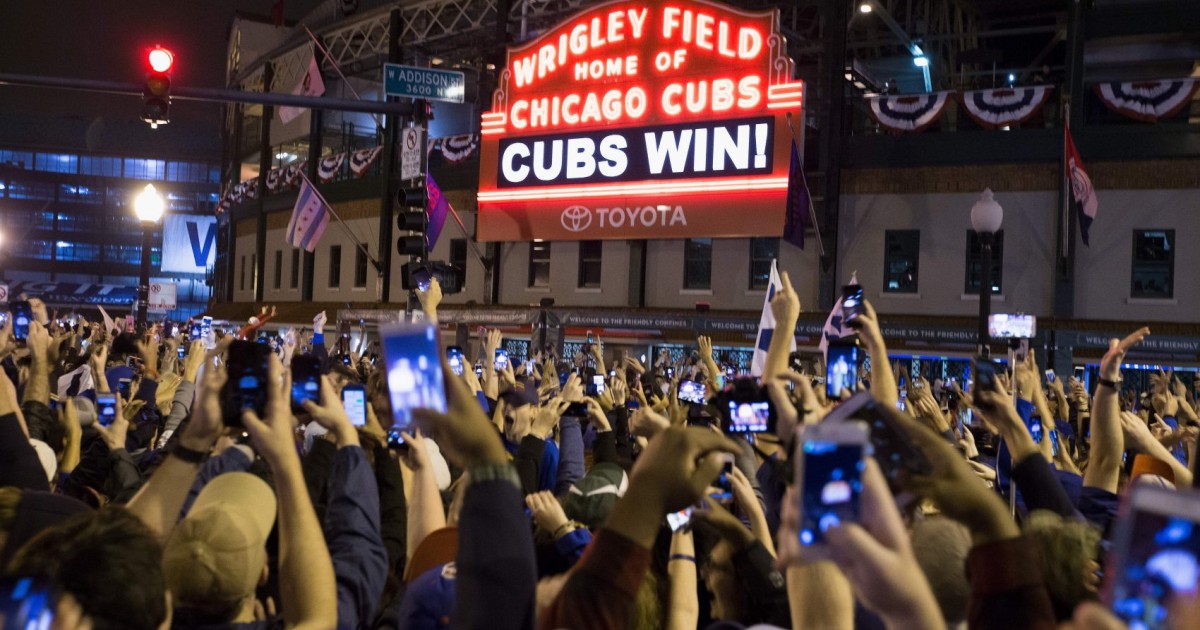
{"type": "Point", "coordinates": [388, 166]}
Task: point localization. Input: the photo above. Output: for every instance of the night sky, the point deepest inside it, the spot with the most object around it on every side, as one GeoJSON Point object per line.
{"type": "Point", "coordinates": [107, 40]}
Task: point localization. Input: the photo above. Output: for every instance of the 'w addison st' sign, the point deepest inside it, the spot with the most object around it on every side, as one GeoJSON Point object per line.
{"type": "Point", "coordinates": [641, 120]}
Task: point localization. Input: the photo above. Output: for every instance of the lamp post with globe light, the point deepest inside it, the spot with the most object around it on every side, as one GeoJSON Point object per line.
{"type": "Point", "coordinates": [149, 207]}
{"type": "Point", "coordinates": [986, 217]}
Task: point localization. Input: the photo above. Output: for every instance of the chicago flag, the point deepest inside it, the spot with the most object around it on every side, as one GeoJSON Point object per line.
{"type": "Point", "coordinates": [310, 217]}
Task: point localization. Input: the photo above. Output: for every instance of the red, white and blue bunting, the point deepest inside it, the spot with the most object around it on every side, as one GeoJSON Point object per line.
{"type": "Point", "coordinates": [250, 188]}
{"type": "Point", "coordinates": [274, 179]}
{"type": "Point", "coordinates": [361, 160]}
{"type": "Point", "coordinates": [455, 149]}
{"type": "Point", "coordinates": [330, 166]}
{"type": "Point", "coordinates": [1147, 100]}
{"type": "Point", "coordinates": [291, 176]}
{"type": "Point", "coordinates": [1000, 107]}
{"type": "Point", "coordinates": [907, 112]}
{"type": "Point", "coordinates": [237, 194]}
{"type": "Point", "coordinates": [224, 204]}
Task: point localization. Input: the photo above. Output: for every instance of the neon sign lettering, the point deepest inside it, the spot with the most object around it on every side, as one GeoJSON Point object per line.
{"type": "Point", "coordinates": [683, 103]}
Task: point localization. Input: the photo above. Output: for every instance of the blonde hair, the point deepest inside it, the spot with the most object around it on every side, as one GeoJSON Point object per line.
{"type": "Point", "coordinates": [1066, 546]}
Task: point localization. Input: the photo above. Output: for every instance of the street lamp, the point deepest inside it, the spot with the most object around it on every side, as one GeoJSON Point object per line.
{"type": "Point", "coordinates": [986, 217]}
{"type": "Point", "coordinates": [149, 207]}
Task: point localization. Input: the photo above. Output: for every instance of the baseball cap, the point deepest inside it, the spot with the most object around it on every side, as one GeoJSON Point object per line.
{"type": "Point", "coordinates": [590, 499]}
{"type": "Point", "coordinates": [216, 554]}
{"type": "Point", "coordinates": [429, 599]}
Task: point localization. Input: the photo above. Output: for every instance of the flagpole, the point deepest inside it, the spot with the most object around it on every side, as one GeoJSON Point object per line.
{"type": "Point", "coordinates": [812, 211]}
{"type": "Point", "coordinates": [1066, 191]}
{"type": "Point", "coordinates": [333, 63]}
{"type": "Point", "coordinates": [345, 227]}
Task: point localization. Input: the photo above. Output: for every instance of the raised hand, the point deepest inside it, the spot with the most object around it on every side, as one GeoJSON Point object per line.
{"type": "Point", "coordinates": [331, 414]}
{"type": "Point", "coordinates": [547, 511]}
{"type": "Point", "coordinates": [465, 434]}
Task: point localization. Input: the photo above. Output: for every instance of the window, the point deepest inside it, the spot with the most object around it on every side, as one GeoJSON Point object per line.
{"type": "Point", "coordinates": [78, 251]}
{"type": "Point", "coordinates": [37, 191]}
{"type": "Point", "coordinates": [136, 168]}
{"type": "Point", "coordinates": [975, 262]}
{"type": "Point", "coordinates": [71, 193]}
{"type": "Point", "coordinates": [360, 268]}
{"type": "Point", "coordinates": [590, 258]}
{"type": "Point", "coordinates": [102, 166]}
{"type": "Point", "coordinates": [123, 254]}
{"type": "Point", "coordinates": [295, 268]}
{"type": "Point", "coordinates": [19, 159]}
{"type": "Point", "coordinates": [40, 250]}
{"type": "Point", "coordinates": [56, 162]}
{"type": "Point", "coordinates": [242, 281]}
{"type": "Point", "coordinates": [762, 252]}
{"type": "Point", "coordinates": [335, 266]}
{"type": "Point", "coordinates": [900, 253]}
{"type": "Point", "coordinates": [458, 257]}
{"type": "Point", "coordinates": [1153, 264]}
{"type": "Point", "coordinates": [181, 202]}
{"type": "Point", "coordinates": [278, 268]}
{"type": "Point", "coordinates": [539, 264]}
{"type": "Point", "coordinates": [187, 172]}
{"type": "Point", "coordinates": [253, 272]}
{"type": "Point", "coordinates": [697, 263]}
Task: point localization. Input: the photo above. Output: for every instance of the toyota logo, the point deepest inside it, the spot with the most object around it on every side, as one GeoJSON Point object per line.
{"type": "Point", "coordinates": [576, 218]}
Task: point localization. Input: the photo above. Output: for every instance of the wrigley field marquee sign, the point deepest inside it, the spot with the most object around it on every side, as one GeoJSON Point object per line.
{"type": "Point", "coordinates": [642, 120]}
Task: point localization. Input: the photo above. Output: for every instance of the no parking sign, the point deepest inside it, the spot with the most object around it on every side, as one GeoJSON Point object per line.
{"type": "Point", "coordinates": [3, 293]}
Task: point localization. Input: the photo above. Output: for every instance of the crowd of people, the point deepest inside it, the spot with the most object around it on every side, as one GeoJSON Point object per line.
{"type": "Point", "coordinates": [540, 498]}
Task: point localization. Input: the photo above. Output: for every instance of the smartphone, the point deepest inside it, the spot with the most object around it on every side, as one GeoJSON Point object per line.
{"type": "Point", "coordinates": [841, 370]}
{"type": "Point", "coordinates": [852, 302]}
{"type": "Point", "coordinates": [830, 461]}
{"type": "Point", "coordinates": [206, 332]}
{"type": "Point", "coordinates": [670, 372]}
{"type": "Point", "coordinates": [894, 450]}
{"type": "Point", "coordinates": [501, 360]}
{"type": "Point", "coordinates": [412, 356]}
{"type": "Point", "coordinates": [26, 603]}
{"type": "Point", "coordinates": [723, 485]}
{"type": "Point", "coordinates": [22, 314]}
{"type": "Point", "coordinates": [123, 387]}
{"type": "Point", "coordinates": [750, 416]}
{"type": "Point", "coordinates": [597, 387]}
{"type": "Point", "coordinates": [354, 399]}
{"type": "Point", "coordinates": [679, 520]}
{"type": "Point", "coordinates": [181, 351]}
{"type": "Point", "coordinates": [246, 385]}
{"type": "Point", "coordinates": [1036, 430]}
{"type": "Point", "coordinates": [1080, 373]}
{"type": "Point", "coordinates": [1053, 433]}
{"type": "Point", "coordinates": [590, 338]}
{"type": "Point", "coordinates": [1007, 326]}
{"type": "Point", "coordinates": [106, 409]}
{"type": "Point", "coordinates": [478, 369]}
{"type": "Point", "coordinates": [1050, 376]}
{"type": "Point", "coordinates": [306, 381]}
{"type": "Point", "coordinates": [454, 356]}
{"type": "Point", "coordinates": [985, 373]}
{"type": "Point", "coordinates": [195, 333]}
{"type": "Point", "coordinates": [1156, 554]}
{"type": "Point", "coordinates": [691, 392]}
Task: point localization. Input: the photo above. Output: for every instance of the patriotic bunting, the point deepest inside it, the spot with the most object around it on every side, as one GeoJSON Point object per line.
{"type": "Point", "coordinates": [237, 194]}
{"type": "Point", "coordinates": [329, 167]}
{"type": "Point", "coordinates": [1147, 101]}
{"type": "Point", "coordinates": [274, 179]}
{"type": "Point", "coordinates": [291, 176]}
{"type": "Point", "coordinates": [224, 204]}
{"type": "Point", "coordinates": [907, 112]}
{"type": "Point", "coordinates": [455, 149]}
{"type": "Point", "coordinates": [250, 188]}
{"type": "Point", "coordinates": [360, 161]}
{"type": "Point", "coordinates": [1004, 106]}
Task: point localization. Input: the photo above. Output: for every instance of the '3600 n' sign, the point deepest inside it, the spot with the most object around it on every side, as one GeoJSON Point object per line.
{"type": "Point", "coordinates": [642, 120]}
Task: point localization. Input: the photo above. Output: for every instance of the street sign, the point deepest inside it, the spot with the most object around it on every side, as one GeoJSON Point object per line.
{"type": "Point", "coordinates": [3, 293]}
{"type": "Point", "coordinates": [426, 83]}
{"type": "Point", "coordinates": [162, 296]}
{"type": "Point", "coordinates": [410, 152]}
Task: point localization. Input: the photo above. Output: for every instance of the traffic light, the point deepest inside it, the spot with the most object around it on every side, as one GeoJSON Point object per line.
{"type": "Point", "coordinates": [156, 92]}
{"type": "Point", "coordinates": [411, 219]}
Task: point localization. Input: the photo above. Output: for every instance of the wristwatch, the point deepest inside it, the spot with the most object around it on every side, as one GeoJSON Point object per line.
{"type": "Point", "coordinates": [1109, 384]}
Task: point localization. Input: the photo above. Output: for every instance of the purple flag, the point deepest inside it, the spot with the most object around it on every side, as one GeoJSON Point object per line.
{"type": "Point", "coordinates": [438, 209]}
{"type": "Point", "coordinates": [797, 202]}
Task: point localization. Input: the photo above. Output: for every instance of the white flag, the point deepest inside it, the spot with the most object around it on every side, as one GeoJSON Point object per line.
{"type": "Point", "coordinates": [310, 217]}
{"type": "Point", "coordinates": [835, 326]}
{"type": "Point", "coordinates": [766, 325]}
{"type": "Point", "coordinates": [311, 84]}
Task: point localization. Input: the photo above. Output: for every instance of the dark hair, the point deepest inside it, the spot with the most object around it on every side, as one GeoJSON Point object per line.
{"type": "Point", "coordinates": [124, 345]}
{"type": "Point", "coordinates": [109, 561]}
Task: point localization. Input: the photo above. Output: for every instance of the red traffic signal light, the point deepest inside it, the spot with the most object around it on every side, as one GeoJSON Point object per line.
{"type": "Point", "coordinates": [161, 59]}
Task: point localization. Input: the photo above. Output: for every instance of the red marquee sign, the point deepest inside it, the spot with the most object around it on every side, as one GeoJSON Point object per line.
{"type": "Point", "coordinates": [639, 119]}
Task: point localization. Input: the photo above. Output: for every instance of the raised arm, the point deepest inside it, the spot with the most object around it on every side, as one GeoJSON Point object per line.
{"type": "Point", "coordinates": [883, 382]}
{"type": "Point", "coordinates": [786, 308]}
{"type": "Point", "coordinates": [1104, 462]}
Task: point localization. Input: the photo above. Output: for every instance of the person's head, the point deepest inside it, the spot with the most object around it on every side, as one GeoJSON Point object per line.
{"type": "Point", "coordinates": [728, 599]}
{"type": "Point", "coordinates": [341, 376]}
{"type": "Point", "coordinates": [109, 561]}
{"type": "Point", "coordinates": [1068, 551]}
{"type": "Point", "coordinates": [216, 557]}
{"type": "Point", "coordinates": [377, 395]}
{"type": "Point", "coordinates": [941, 546]}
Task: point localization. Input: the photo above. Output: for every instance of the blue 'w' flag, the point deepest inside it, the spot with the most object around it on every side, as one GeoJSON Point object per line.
{"type": "Point", "coordinates": [766, 326]}
{"type": "Point", "coordinates": [310, 217]}
{"type": "Point", "coordinates": [796, 222]}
